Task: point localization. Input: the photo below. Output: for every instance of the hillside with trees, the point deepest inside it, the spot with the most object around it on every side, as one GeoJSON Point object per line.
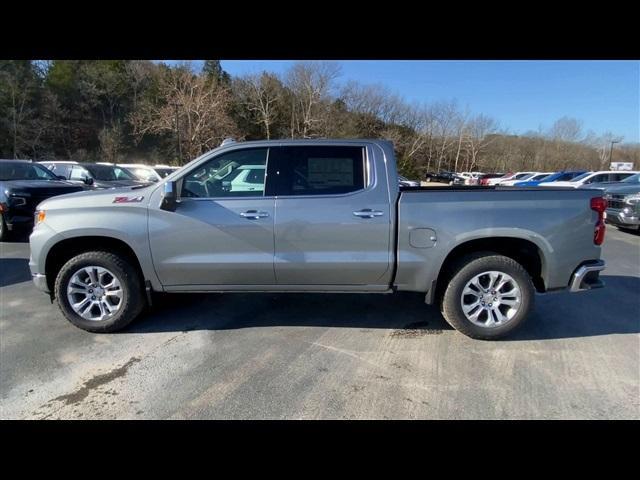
{"type": "Point", "coordinates": [142, 111]}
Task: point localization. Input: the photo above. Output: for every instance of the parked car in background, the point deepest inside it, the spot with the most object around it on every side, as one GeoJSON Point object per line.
{"type": "Point", "coordinates": [445, 177]}
{"type": "Point", "coordinates": [96, 175]}
{"type": "Point", "coordinates": [405, 182]}
{"type": "Point", "coordinates": [61, 168]}
{"type": "Point", "coordinates": [533, 180]}
{"type": "Point", "coordinates": [623, 203]}
{"type": "Point", "coordinates": [23, 185]}
{"type": "Point", "coordinates": [554, 177]}
{"type": "Point", "coordinates": [164, 170]}
{"type": "Point", "coordinates": [497, 180]}
{"type": "Point", "coordinates": [142, 172]}
{"type": "Point", "coordinates": [589, 178]}
{"type": "Point", "coordinates": [517, 177]}
{"type": "Point", "coordinates": [330, 216]}
{"type": "Point", "coordinates": [471, 178]}
{"type": "Point", "coordinates": [487, 177]}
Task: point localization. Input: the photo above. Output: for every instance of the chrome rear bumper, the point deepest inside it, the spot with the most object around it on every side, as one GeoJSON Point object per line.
{"type": "Point", "coordinates": [586, 276]}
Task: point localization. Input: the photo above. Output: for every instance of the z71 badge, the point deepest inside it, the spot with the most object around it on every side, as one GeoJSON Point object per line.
{"type": "Point", "coordinates": [127, 199]}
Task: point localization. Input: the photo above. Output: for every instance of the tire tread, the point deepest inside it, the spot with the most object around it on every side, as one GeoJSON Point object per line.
{"type": "Point", "coordinates": [133, 298]}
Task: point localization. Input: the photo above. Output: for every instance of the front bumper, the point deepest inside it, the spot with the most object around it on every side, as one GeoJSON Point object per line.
{"type": "Point", "coordinates": [619, 217]}
{"type": "Point", "coordinates": [587, 276]}
{"type": "Point", "coordinates": [40, 281]}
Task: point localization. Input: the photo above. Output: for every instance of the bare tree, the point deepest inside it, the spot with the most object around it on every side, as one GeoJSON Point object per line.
{"type": "Point", "coordinates": [261, 95]}
{"type": "Point", "coordinates": [310, 84]}
{"type": "Point", "coordinates": [190, 106]}
{"type": "Point", "coordinates": [139, 73]}
{"type": "Point", "coordinates": [480, 129]}
{"type": "Point", "coordinates": [111, 143]}
{"type": "Point", "coordinates": [566, 129]}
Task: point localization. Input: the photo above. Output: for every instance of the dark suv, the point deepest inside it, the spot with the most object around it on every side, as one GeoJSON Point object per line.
{"type": "Point", "coordinates": [23, 185]}
{"type": "Point", "coordinates": [444, 177]}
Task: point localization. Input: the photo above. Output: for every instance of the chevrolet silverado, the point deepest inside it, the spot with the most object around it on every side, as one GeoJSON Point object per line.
{"type": "Point", "coordinates": [315, 216]}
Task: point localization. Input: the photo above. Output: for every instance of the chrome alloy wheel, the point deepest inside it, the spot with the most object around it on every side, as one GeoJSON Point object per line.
{"type": "Point", "coordinates": [94, 293]}
{"type": "Point", "coordinates": [491, 299]}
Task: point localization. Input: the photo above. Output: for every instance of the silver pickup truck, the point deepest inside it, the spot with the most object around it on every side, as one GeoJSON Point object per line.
{"type": "Point", "coordinates": [315, 216]}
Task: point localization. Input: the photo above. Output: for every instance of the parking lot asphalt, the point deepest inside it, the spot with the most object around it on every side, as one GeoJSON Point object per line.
{"type": "Point", "coordinates": [323, 356]}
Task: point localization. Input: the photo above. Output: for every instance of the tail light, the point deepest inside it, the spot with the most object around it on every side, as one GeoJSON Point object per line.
{"type": "Point", "coordinates": [599, 205]}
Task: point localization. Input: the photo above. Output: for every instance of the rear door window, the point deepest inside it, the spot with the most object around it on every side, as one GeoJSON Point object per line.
{"type": "Point", "coordinates": [78, 173]}
{"type": "Point", "coordinates": [617, 177]}
{"type": "Point", "coordinates": [317, 170]}
{"type": "Point", "coordinates": [63, 170]}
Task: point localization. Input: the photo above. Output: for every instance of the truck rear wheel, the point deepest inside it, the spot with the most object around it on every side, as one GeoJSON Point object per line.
{"type": "Point", "coordinates": [488, 296]}
{"type": "Point", "coordinates": [99, 292]}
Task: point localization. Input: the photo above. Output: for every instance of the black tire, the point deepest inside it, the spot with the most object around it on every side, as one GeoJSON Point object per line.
{"type": "Point", "coordinates": [4, 231]}
{"type": "Point", "coordinates": [133, 299]}
{"type": "Point", "coordinates": [467, 268]}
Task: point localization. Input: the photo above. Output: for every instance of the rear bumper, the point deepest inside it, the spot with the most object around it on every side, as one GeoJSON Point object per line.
{"type": "Point", "coordinates": [587, 276]}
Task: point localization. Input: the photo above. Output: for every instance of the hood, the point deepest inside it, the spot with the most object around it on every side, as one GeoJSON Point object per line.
{"type": "Point", "coordinates": [100, 197]}
{"type": "Point", "coordinates": [117, 183]}
{"type": "Point", "coordinates": [41, 186]}
{"type": "Point", "coordinates": [559, 184]}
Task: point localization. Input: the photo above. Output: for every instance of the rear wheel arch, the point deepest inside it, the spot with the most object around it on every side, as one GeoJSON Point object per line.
{"type": "Point", "coordinates": [523, 251]}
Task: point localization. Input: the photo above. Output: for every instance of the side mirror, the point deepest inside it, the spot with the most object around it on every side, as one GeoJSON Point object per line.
{"type": "Point", "coordinates": [61, 177]}
{"type": "Point", "coordinates": [88, 180]}
{"type": "Point", "coordinates": [169, 197]}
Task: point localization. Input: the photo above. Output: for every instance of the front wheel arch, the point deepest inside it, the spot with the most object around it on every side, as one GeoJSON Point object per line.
{"type": "Point", "coordinates": [68, 248]}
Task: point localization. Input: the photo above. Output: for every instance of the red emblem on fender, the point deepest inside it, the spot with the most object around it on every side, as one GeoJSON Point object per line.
{"type": "Point", "coordinates": [127, 199]}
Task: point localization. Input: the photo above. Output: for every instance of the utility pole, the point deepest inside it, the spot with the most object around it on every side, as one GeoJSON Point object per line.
{"type": "Point", "coordinates": [611, 151]}
{"type": "Point", "coordinates": [175, 104]}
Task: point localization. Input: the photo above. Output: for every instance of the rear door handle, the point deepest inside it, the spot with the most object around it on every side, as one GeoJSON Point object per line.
{"type": "Point", "coordinates": [254, 214]}
{"type": "Point", "coordinates": [368, 213]}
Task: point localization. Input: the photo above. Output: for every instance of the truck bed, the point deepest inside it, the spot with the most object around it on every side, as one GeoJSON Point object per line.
{"type": "Point", "coordinates": [558, 221]}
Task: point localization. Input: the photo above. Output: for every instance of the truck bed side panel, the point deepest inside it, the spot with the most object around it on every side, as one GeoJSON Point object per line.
{"type": "Point", "coordinates": [559, 222]}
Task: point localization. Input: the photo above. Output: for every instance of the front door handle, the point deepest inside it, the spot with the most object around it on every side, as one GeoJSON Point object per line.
{"type": "Point", "coordinates": [254, 214]}
{"type": "Point", "coordinates": [368, 213]}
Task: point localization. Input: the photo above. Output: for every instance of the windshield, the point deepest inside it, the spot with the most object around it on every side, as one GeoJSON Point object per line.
{"type": "Point", "coordinates": [581, 177]}
{"type": "Point", "coordinates": [144, 174]}
{"type": "Point", "coordinates": [632, 179]}
{"type": "Point", "coordinates": [109, 173]}
{"type": "Point", "coordinates": [540, 177]}
{"type": "Point", "coordinates": [163, 172]}
{"type": "Point", "coordinates": [523, 176]}
{"type": "Point", "coordinates": [24, 171]}
{"type": "Point", "coordinates": [564, 177]}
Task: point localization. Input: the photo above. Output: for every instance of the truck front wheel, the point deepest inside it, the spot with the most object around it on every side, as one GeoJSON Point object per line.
{"type": "Point", "coordinates": [488, 296]}
{"type": "Point", "coordinates": [99, 291]}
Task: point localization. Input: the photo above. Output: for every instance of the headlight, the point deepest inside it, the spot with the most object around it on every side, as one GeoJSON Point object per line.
{"type": "Point", "coordinates": [633, 199]}
{"type": "Point", "coordinates": [39, 217]}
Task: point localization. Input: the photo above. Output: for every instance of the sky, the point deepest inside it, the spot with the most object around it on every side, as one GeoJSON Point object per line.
{"type": "Point", "coordinates": [520, 95]}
